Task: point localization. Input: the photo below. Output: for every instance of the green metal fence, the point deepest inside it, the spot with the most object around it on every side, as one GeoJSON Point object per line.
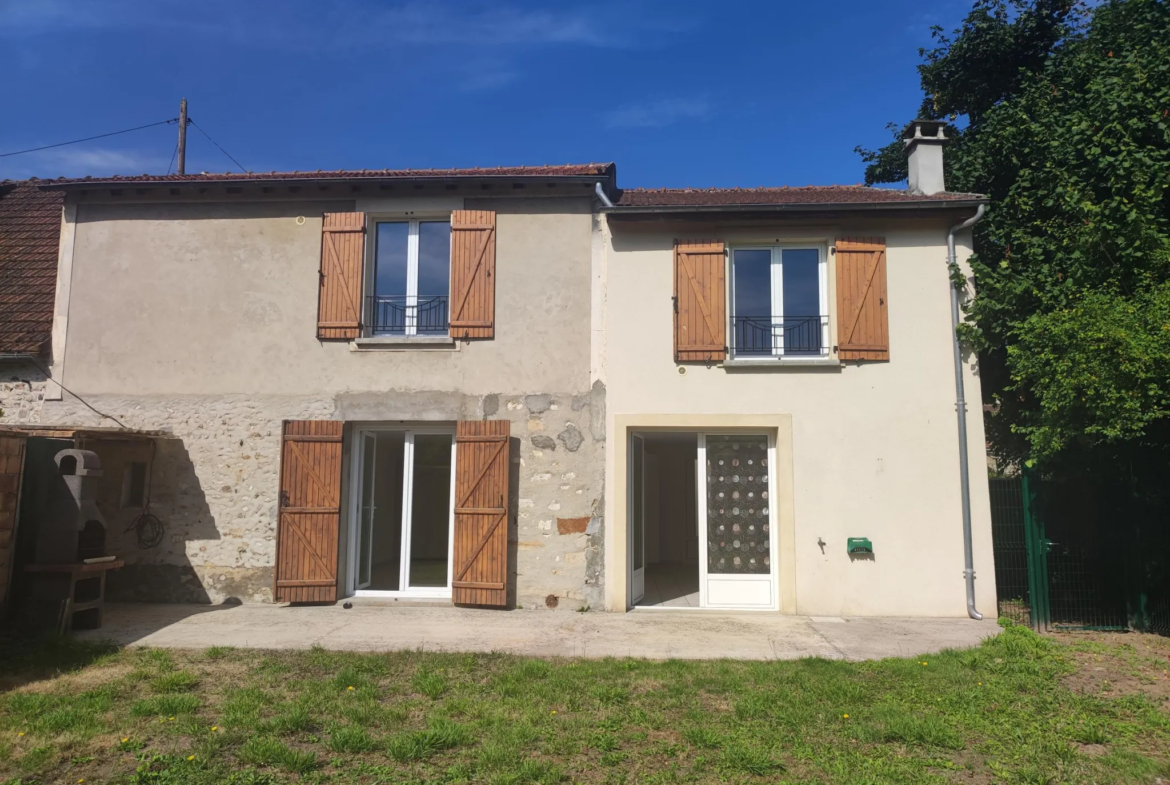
{"type": "Point", "coordinates": [1079, 554]}
{"type": "Point", "coordinates": [1008, 535]}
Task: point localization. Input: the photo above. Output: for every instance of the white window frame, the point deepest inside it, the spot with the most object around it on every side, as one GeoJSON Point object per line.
{"type": "Point", "coordinates": [354, 545]}
{"type": "Point", "coordinates": [777, 296]}
{"type": "Point", "coordinates": [410, 320]}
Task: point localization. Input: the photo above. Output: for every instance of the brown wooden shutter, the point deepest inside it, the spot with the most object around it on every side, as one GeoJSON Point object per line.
{"type": "Point", "coordinates": [863, 331]}
{"type": "Point", "coordinates": [473, 274]}
{"type": "Point", "coordinates": [481, 513]}
{"type": "Point", "coordinates": [700, 301]}
{"type": "Point", "coordinates": [11, 468]}
{"type": "Point", "coordinates": [310, 511]}
{"type": "Point", "coordinates": [339, 303]}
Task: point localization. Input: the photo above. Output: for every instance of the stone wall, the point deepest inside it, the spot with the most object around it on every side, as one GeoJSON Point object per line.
{"type": "Point", "coordinates": [214, 486]}
{"type": "Point", "coordinates": [22, 392]}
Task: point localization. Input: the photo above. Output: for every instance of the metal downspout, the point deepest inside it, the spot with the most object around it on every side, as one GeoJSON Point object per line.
{"type": "Point", "coordinates": [961, 412]}
{"type": "Point", "coordinates": [597, 189]}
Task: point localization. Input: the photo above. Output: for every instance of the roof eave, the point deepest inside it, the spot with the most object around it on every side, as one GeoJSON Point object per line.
{"type": "Point", "coordinates": [81, 185]}
{"type": "Point", "coordinates": [936, 204]}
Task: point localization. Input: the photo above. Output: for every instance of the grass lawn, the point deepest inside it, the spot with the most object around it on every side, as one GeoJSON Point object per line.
{"type": "Point", "coordinates": [1019, 709]}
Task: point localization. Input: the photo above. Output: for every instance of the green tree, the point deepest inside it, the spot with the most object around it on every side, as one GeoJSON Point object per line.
{"type": "Point", "coordinates": [1061, 114]}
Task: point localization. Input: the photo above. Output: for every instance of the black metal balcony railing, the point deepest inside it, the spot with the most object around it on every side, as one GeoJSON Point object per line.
{"type": "Point", "coordinates": [406, 315]}
{"type": "Point", "coordinates": [786, 336]}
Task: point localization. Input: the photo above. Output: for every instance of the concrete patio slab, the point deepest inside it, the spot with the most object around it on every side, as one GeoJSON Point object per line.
{"type": "Point", "coordinates": [664, 634]}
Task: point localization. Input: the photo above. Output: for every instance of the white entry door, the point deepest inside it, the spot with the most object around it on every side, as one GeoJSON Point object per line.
{"type": "Point", "coordinates": [637, 518]}
{"type": "Point", "coordinates": [737, 531]}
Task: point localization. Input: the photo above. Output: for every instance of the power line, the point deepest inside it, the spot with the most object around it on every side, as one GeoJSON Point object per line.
{"type": "Point", "coordinates": [172, 163]}
{"type": "Point", "coordinates": [90, 138]}
{"type": "Point", "coordinates": [225, 152]}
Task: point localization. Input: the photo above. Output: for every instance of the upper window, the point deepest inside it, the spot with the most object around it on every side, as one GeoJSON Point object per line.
{"type": "Point", "coordinates": [779, 302]}
{"type": "Point", "coordinates": [411, 279]}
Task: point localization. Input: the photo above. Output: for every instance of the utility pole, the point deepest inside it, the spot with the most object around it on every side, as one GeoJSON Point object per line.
{"type": "Point", "coordinates": [182, 155]}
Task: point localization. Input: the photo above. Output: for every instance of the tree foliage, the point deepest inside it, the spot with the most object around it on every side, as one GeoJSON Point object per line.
{"type": "Point", "coordinates": [1061, 114]}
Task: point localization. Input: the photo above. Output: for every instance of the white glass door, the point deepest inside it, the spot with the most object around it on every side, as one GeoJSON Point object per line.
{"type": "Point", "coordinates": [403, 512]}
{"type": "Point", "coordinates": [737, 529]}
{"type": "Point", "coordinates": [637, 518]}
{"type": "Point", "coordinates": [369, 454]}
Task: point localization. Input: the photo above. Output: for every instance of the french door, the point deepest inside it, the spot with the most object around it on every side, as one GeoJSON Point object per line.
{"type": "Point", "coordinates": [737, 531]}
{"type": "Point", "coordinates": [637, 518]}
{"type": "Point", "coordinates": [403, 509]}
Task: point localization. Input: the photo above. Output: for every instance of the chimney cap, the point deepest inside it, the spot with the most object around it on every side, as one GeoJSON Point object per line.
{"type": "Point", "coordinates": [925, 131]}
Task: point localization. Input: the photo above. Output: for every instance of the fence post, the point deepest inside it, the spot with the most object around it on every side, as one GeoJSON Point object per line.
{"type": "Point", "coordinates": [1037, 550]}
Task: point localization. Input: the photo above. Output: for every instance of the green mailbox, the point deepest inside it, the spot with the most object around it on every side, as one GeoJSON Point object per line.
{"type": "Point", "coordinates": [859, 545]}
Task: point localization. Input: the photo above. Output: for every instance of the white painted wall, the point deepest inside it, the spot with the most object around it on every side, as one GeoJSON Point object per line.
{"type": "Point", "coordinates": [874, 444]}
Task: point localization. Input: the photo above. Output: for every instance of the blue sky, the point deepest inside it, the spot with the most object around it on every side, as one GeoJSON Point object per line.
{"type": "Point", "coordinates": [677, 93]}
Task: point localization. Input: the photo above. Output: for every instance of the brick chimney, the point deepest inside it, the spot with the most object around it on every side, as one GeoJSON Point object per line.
{"type": "Point", "coordinates": [924, 151]}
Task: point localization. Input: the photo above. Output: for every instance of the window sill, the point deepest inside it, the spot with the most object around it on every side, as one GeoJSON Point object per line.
{"type": "Point", "coordinates": [804, 362]}
{"type": "Point", "coordinates": [402, 342]}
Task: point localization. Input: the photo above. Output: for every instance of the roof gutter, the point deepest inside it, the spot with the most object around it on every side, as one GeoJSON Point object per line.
{"type": "Point", "coordinates": [933, 204]}
{"type": "Point", "coordinates": [597, 189]}
{"type": "Point", "coordinates": [961, 412]}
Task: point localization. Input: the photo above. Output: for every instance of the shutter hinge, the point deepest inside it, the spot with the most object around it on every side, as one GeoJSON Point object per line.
{"type": "Point", "coordinates": [284, 498]}
{"type": "Point", "coordinates": [832, 250]}
{"type": "Point", "coordinates": [320, 277]}
{"type": "Point", "coordinates": [674, 303]}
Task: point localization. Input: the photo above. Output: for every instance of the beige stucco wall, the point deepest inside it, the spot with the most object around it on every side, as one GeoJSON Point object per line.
{"type": "Point", "coordinates": [222, 298]}
{"type": "Point", "coordinates": [199, 318]}
{"type": "Point", "coordinates": [874, 445]}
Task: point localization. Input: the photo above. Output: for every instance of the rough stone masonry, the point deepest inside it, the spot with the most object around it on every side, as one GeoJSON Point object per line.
{"type": "Point", "coordinates": [214, 485]}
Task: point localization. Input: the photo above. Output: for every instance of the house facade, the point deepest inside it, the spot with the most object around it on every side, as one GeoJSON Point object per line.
{"type": "Point", "coordinates": [508, 387]}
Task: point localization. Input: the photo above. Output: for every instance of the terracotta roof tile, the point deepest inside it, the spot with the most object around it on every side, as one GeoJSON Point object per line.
{"type": "Point", "coordinates": [30, 230]}
{"type": "Point", "coordinates": [566, 170]}
{"type": "Point", "coordinates": [811, 195]}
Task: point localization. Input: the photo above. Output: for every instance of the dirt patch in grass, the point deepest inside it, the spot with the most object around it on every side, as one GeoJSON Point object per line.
{"type": "Point", "coordinates": [1116, 664]}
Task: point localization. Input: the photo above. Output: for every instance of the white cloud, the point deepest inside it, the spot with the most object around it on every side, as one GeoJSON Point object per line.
{"type": "Point", "coordinates": [658, 113]}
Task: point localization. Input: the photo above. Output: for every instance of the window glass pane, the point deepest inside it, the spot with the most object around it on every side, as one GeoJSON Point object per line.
{"type": "Point", "coordinates": [388, 309]}
{"type": "Point", "coordinates": [434, 275]}
{"type": "Point", "coordinates": [752, 309]}
{"type": "Point", "coordinates": [390, 264]}
{"type": "Point", "coordinates": [434, 258]}
{"type": "Point", "coordinates": [737, 505]}
{"type": "Point", "coordinates": [802, 300]}
{"type": "Point", "coordinates": [430, 514]}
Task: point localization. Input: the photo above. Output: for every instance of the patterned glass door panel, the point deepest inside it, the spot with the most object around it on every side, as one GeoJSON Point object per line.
{"type": "Point", "coordinates": [738, 531]}
{"type": "Point", "coordinates": [738, 560]}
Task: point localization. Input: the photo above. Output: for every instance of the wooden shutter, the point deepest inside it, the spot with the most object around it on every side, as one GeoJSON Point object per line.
{"type": "Point", "coordinates": [481, 513]}
{"type": "Point", "coordinates": [473, 274]}
{"type": "Point", "coordinates": [863, 330]}
{"type": "Point", "coordinates": [339, 303]}
{"type": "Point", "coordinates": [310, 511]}
{"type": "Point", "coordinates": [700, 301]}
{"type": "Point", "coordinates": [11, 468]}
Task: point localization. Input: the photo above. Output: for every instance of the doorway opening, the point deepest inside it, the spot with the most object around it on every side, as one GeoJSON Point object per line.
{"type": "Point", "coordinates": [402, 505]}
{"type": "Point", "coordinates": [671, 521]}
{"type": "Point", "coordinates": [701, 520]}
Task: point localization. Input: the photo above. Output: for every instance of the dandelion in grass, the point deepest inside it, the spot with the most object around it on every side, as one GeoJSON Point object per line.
{"type": "Point", "coordinates": [20, 734]}
{"type": "Point", "coordinates": [190, 757]}
{"type": "Point", "coordinates": [554, 711]}
{"type": "Point", "coordinates": [845, 716]}
{"type": "Point", "coordinates": [350, 688]}
{"type": "Point", "coordinates": [215, 727]}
